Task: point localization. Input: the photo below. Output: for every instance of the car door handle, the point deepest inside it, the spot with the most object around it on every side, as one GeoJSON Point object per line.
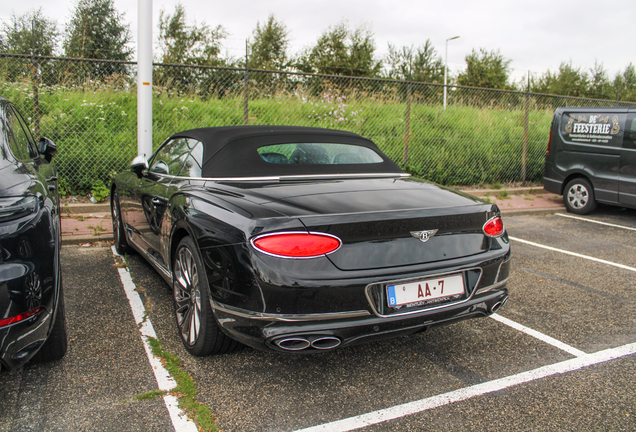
{"type": "Point", "coordinates": [52, 188]}
{"type": "Point", "coordinates": [52, 179]}
{"type": "Point", "coordinates": [157, 201]}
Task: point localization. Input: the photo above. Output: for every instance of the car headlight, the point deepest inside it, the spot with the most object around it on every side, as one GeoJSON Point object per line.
{"type": "Point", "coordinates": [17, 207]}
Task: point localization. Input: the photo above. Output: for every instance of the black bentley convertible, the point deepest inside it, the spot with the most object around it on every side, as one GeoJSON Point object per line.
{"type": "Point", "coordinates": [301, 239]}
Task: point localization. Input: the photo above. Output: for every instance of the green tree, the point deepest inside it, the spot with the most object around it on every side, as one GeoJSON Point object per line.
{"type": "Point", "coordinates": [31, 33]}
{"type": "Point", "coordinates": [269, 45]}
{"type": "Point", "coordinates": [192, 44]}
{"type": "Point", "coordinates": [97, 31]}
{"type": "Point", "coordinates": [415, 64]}
{"type": "Point", "coordinates": [600, 86]}
{"type": "Point", "coordinates": [486, 69]}
{"type": "Point", "coordinates": [341, 51]}
{"type": "Point", "coordinates": [625, 84]}
{"type": "Point", "coordinates": [567, 81]}
{"type": "Point", "coordinates": [183, 43]}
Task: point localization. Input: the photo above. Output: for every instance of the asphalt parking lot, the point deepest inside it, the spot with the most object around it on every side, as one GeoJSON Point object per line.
{"type": "Point", "coordinates": [558, 356]}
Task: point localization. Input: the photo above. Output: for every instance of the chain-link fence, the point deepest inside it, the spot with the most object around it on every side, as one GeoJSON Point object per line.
{"type": "Point", "coordinates": [89, 108]}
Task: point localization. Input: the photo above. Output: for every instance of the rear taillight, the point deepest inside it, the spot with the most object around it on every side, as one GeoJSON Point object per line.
{"type": "Point", "coordinates": [549, 143]}
{"type": "Point", "coordinates": [21, 317]}
{"type": "Point", "coordinates": [494, 227]}
{"type": "Point", "coordinates": [297, 244]}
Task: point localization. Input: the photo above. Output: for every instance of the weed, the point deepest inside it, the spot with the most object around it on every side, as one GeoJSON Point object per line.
{"type": "Point", "coordinates": [121, 261]}
{"type": "Point", "coordinates": [503, 195]}
{"type": "Point", "coordinates": [186, 389]}
{"type": "Point", "coordinates": [81, 218]}
{"type": "Point", "coordinates": [495, 186]}
{"type": "Point", "coordinates": [97, 229]}
{"type": "Point", "coordinates": [99, 191]}
{"type": "Point", "coordinates": [154, 394]}
{"type": "Point", "coordinates": [529, 199]}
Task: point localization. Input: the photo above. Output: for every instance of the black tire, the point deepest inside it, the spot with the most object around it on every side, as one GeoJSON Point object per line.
{"type": "Point", "coordinates": [198, 329]}
{"type": "Point", "coordinates": [119, 234]}
{"type": "Point", "coordinates": [578, 196]}
{"type": "Point", "coordinates": [56, 344]}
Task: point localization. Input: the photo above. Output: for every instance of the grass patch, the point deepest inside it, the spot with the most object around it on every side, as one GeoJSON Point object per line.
{"type": "Point", "coordinates": [503, 195]}
{"type": "Point", "coordinates": [186, 390]}
{"type": "Point", "coordinates": [153, 394]}
{"type": "Point", "coordinates": [97, 229]}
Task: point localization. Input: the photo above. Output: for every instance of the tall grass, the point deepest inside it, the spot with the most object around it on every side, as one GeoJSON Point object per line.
{"type": "Point", "coordinates": [95, 129]}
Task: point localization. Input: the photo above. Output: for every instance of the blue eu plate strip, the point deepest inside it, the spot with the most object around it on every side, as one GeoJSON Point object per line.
{"type": "Point", "coordinates": [391, 293]}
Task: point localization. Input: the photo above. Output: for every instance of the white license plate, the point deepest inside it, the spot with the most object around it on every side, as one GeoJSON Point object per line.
{"type": "Point", "coordinates": [425, 290]}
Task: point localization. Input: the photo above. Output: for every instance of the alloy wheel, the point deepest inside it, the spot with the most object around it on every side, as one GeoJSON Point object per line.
{"type": "Point", "coordinates": [187, 296]}
{"type": "Point", "coordinates": [116, 218]}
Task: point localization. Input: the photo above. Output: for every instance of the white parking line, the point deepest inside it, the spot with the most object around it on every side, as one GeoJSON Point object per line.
{"type": "Point", "coordinates": [542, 337]}
{"type": "Point", "coordinates": [399, 411]}
{"type": "Point", "coordinates": [595, 221]}
{"type": "Point", "coordinates": [574, 254]}
{"type": "Point", "coordinates": [165, 381]}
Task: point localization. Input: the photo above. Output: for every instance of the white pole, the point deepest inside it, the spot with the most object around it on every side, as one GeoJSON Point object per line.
{"type": "Point", "coordinates": [446, 68]}
{"type": "Point", "coordinates": [144, 79]}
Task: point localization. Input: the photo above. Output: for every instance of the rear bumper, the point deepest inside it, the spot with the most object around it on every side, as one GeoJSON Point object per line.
{"type": "Point", "coordinates": [266, 331]}
{"type": "Point", "coordinates": [20, 341]}
{"type": "Point", "coordinates": [552, 185]}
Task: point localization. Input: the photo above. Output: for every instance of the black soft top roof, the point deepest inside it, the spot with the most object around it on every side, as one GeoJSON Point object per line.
{"type": "Point", "coordinates": [231, 151]}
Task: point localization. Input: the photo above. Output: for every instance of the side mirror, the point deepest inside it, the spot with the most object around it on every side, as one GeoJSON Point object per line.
{"type": "Point", "coordinates": [47, 148]}
{"type": "Point", "coordinates": [139, 165]}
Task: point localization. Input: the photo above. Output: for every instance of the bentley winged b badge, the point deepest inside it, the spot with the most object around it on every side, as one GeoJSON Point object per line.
{"type": "Point", "coordinates": [424, 236]}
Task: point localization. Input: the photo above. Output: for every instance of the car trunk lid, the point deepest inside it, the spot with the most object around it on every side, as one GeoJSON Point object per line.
{"type": "Point", "coordinates": [381, 227]}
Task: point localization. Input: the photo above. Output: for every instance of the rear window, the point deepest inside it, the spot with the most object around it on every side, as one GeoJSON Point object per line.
{"type": "Point", "coordinates": [318, 154]}
{"type": "Point", "coordinates": [596, 128]}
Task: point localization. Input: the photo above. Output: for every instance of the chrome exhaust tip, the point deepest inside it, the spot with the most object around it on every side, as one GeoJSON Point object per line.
{"type": "Point", "coordinates": [325, 343]}
{"type": "Point", "coordinates": [498, 305]}
{"type": "Point", "coordinates": [293, 344]}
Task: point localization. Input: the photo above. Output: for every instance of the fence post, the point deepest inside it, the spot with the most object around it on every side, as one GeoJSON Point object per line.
{"type": "Point", "coordinates": [246, 97]}
{"type": "Point", "coordinates": [407, 124]}
{"type": "Point", "coordinates": [36, 96]}
{"type": "Point", "coordinates": [526, 119]}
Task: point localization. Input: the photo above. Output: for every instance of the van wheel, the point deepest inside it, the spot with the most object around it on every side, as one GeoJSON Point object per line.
{"type": "Point", "coordinates": [579, 196]}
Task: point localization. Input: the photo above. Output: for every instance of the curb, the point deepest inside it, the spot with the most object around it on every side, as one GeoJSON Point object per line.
{"type": "Point", "coordinates": [511, 191]}
{"type": "Point", "coordinates": [86, 208]}
{"type": "Point", "coordinates": [532, 211]}
{"type": "Point", "coordinates": [80, 239]}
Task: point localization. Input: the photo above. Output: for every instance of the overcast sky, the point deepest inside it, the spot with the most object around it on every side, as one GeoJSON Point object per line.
{"type": "Point", "coordinates": [536, 35]}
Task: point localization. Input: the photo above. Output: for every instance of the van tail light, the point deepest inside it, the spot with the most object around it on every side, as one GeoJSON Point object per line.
{"type": "Point", "coordinates": [494, 227]}
{"type": "Point", "coordinates": [21, 317]}
{"type": "Point", "coordinates": [296, 244]}
{"type": "Point", "coordinates": [549, 143]}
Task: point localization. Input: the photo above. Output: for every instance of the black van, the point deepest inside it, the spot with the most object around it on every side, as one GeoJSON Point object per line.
{"type": "Point", "coordinates": [591, 157]}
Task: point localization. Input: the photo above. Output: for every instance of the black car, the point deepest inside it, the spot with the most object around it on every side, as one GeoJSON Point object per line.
{"type": "Point", "coordinates": [32, 319]}
{"type": "Point", "coordinates": [298, 239]}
